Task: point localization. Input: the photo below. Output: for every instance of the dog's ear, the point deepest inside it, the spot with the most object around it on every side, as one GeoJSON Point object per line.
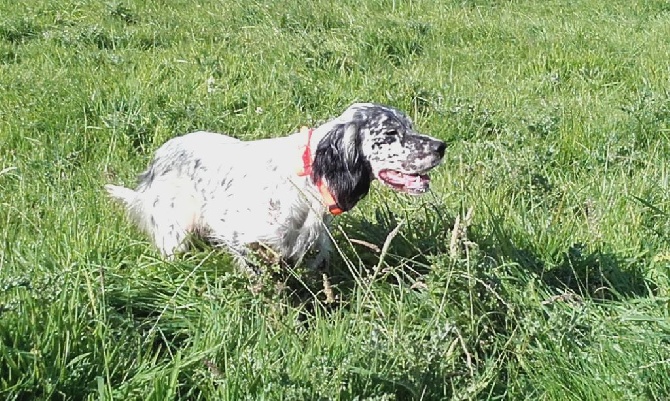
{"type": "Point", "coordinates": [340, 162]}
{"type": "Point", "coordinates": [351, 143]}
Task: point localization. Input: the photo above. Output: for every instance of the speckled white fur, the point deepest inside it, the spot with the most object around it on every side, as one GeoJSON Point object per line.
{"type": "Point", "coordinates": [236, 193]}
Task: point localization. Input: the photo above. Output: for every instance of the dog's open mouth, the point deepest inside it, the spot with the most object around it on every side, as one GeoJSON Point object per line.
{"type": "Point", "coordinates": [413, 184]}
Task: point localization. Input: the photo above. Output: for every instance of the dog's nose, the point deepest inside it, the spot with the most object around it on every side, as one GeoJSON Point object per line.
{"type": "Point", "coordinates": [439, 147]}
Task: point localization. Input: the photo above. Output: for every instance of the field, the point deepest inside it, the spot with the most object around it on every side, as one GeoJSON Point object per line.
{"type": "Point", "coordinates": [537, 268]}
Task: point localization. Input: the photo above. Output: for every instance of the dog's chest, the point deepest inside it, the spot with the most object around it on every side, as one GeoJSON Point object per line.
{"type": "Point", "coordinates": [301, 229]}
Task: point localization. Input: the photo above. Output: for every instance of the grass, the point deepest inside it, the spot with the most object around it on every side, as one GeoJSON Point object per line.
{"type": "Point", "coordinates": [556, 286]}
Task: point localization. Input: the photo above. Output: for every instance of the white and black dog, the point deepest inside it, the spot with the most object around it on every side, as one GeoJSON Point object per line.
{"type": "Point", "coordinates": [280, 193]}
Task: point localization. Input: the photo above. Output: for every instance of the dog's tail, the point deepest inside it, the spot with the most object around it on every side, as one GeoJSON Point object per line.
{"type": "Point", "coordinates": [130, 199]}
{"type": "Point", "coordinates": [125, 195]}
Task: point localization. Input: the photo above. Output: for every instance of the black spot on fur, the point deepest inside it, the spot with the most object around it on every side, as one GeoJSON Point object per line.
{"type": "Point", "coordinates": [148, 175]}
{"type": "Point", "coordinates": [226, 184]}
{"type": "Point", "coordinates": [348, 175]}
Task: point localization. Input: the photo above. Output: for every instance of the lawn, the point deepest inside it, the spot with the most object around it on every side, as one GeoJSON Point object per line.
{"type": "Point", "coordinates": [538, 267]}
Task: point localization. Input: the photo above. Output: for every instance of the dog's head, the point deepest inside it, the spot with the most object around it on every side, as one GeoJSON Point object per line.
{"type": "Point", "coordinates": [371, 141]}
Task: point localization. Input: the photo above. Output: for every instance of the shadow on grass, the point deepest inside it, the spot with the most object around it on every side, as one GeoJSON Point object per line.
{"type": "Point", "coordinates": [419, 252]}
{"type": "Point", "coordinates": [493, 281]}
{"type": "Point", "coordinates": [588, 271]}
{"type": "Point", "coordinates": [406, 247]}
{"type": "Point", "coordinates": [425, 236]}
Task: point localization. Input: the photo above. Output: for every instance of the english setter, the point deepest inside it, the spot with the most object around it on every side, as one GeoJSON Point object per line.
{"type": "Point", "coordinates": [279, 193]}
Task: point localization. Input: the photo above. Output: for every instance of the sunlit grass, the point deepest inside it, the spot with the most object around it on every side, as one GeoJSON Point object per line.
{"type": "Point", "coordinates": [555, 284]}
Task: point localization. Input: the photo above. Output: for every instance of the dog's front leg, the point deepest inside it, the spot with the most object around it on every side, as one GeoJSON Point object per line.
{"type": "Point", "coordinates": [323, 248]}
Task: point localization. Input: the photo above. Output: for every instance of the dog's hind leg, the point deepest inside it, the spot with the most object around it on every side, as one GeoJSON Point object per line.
{"type": "Point", "coordinates": [169, 238]}
{"type": "Point", "coordinates": [323, 248]}
{"type": "Point", "coordinates": [170, 221]}
{"type": "Point", "coordinates": [168, 216]}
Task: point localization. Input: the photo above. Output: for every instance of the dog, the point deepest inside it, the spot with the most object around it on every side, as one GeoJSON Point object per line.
{"type": "Point", "coordinates": [281, 193]}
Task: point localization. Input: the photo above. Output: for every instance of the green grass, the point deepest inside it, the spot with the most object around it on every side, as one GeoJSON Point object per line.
{"type": "Point", "coordinates": [557, 117]}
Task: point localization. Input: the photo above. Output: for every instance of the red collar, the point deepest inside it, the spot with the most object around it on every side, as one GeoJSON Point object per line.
{"type": "Point", "coordinates": [306, 170]}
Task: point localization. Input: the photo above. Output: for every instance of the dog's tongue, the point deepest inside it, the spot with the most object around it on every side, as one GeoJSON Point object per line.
{"type": "Point", "coordinates": [409, 181]}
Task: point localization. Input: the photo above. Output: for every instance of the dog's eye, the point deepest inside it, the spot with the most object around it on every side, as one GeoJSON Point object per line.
{"type": "Point", "coordinates": [392, 133]}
